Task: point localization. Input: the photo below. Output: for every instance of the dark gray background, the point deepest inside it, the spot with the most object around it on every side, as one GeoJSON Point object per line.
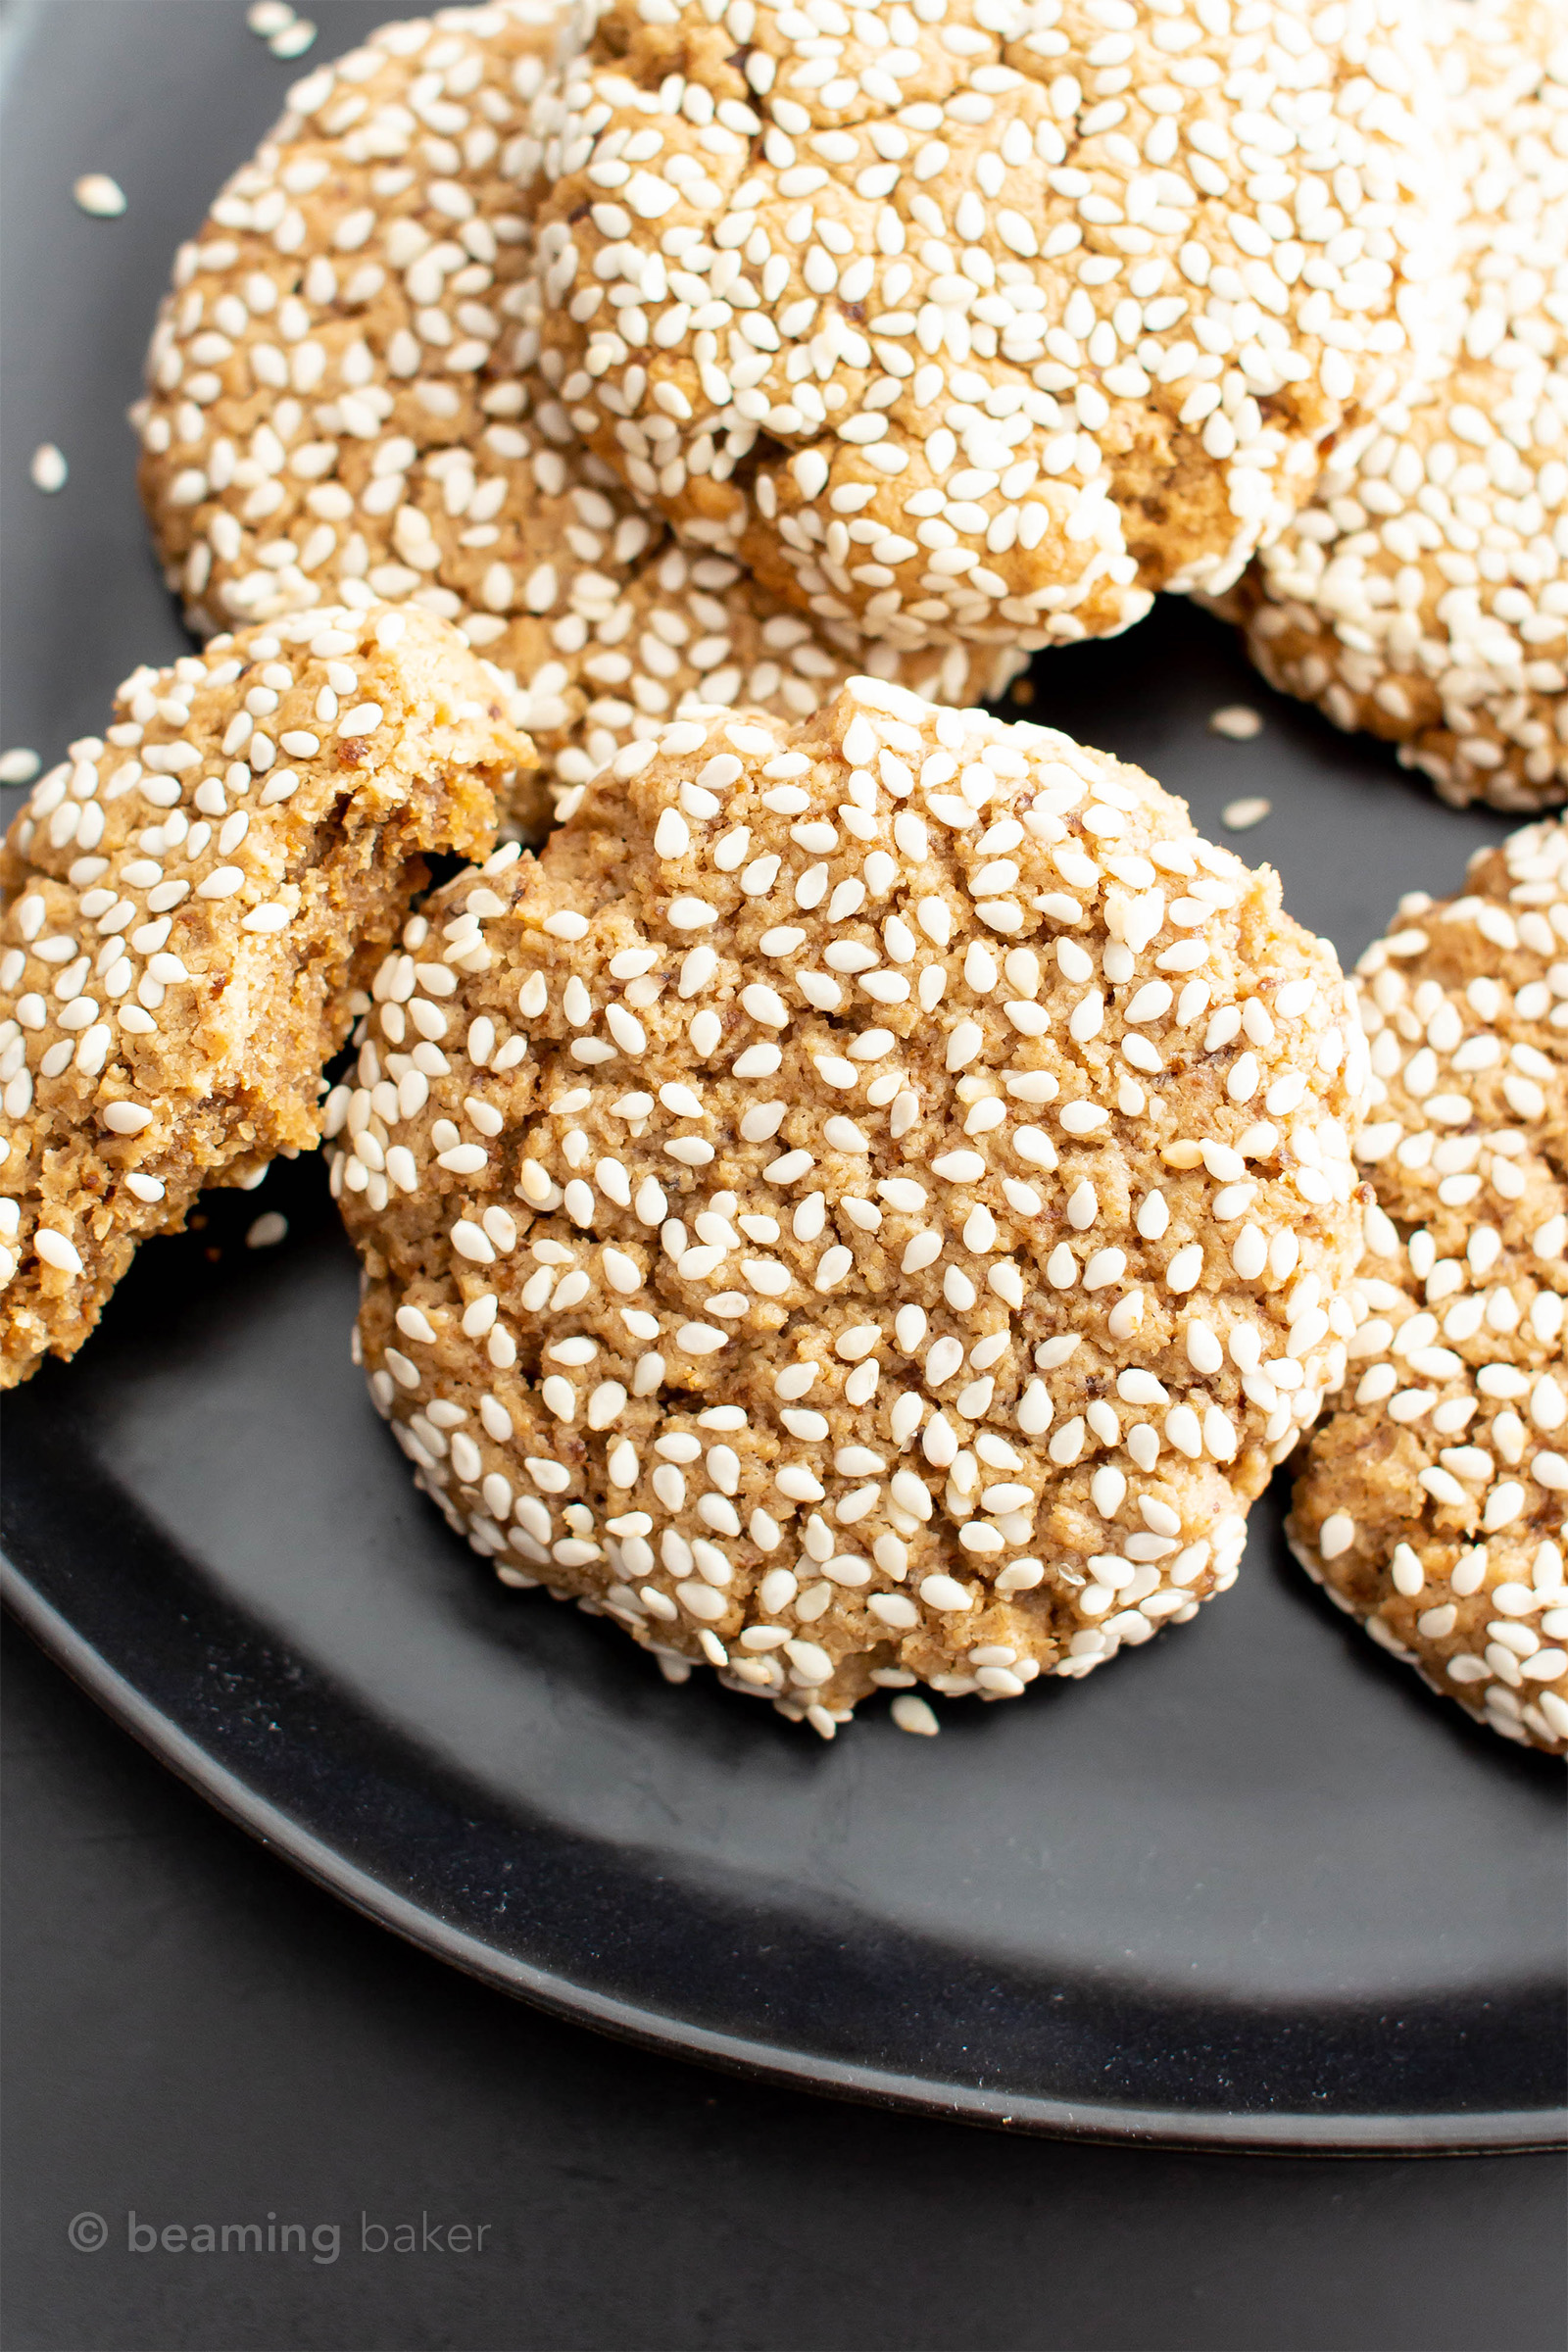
{"type": "Point", "coordinates": [195, 2033]}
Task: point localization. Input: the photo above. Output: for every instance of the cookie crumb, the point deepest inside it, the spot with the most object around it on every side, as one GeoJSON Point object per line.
{"type": "Point", "coordinates": [48, 469]}
{"type": "Point", "coordinates": [96, 193]}
{"type": "Point", "coordinates": [267, 1231]}
{"type": "Point", "coordinates": [19, 766]}
{"type": "Point", "coordinates": [912, 1714]}
{"type": "Point", "coordinates": [1239, 816]}
{"type": "Point", "coordinates": [1238, 722]}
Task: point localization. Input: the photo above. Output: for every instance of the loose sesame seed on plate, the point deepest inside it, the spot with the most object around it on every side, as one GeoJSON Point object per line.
{"type": "Point", "coordinates": [99, 195]}
{"type": "Point", "coordinates": [48, 469]}
{"type": "Point", "coordinates": [1238, 723]}
{"type": "Point", "coordinates": [18, 766]}
{"type": "Point", "coordinates": [912, 1714]}
{"type": "Point", "coordinates": [1238, 816]}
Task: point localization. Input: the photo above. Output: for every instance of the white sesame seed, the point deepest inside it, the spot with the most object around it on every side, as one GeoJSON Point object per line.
{"type": "Point", "coordinates": [1238, 816]}
{"type": "Point", "coordinates": [1238, 723]}
{"type": "Point", "coordinates": [912, 1714]}
{"type": "Point", "coordinates": [99, 196]}
{"type": "Point", "coordinates": [48, 469]}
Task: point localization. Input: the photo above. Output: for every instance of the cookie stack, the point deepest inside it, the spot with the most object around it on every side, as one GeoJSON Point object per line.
{"type": "Point", "coordinates": [868, 1203]}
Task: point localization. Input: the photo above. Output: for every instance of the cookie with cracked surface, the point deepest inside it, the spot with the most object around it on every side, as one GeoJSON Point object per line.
{"type": "Point", "coordinates": [193, 901]}
{"type": "Point", "coordinates": [1431, 1500]}
{"type": "Point", "coordinates": [983, 317]}
{"type": "Point", "coordinates": [869, 1204]}
{"type": "Point", "coordinates": [340, 409]}
{"type": "Point", "coordinates": [1422, 593]}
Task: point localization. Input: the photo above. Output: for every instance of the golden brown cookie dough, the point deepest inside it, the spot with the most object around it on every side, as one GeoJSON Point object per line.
{"type": "Point", "coordinates": [1423, 592]}
{"type": "Point", "coordinates": [1431, 1502]}
{"type": "Point", "coordinates": [193, 901]}
{"type": "Point", "coordinates": [976, 318]}
{"type": "Point", "coordinates": [868, 1205]}
{"type": "Point", "coordinates": [340, 409]}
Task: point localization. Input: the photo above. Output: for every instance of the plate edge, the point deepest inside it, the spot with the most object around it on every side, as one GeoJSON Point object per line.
{"type": "Point", "coordinates": [1511, 2132]}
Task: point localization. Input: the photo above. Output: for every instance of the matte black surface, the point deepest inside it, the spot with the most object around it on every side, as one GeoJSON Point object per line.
{"type": "Point", "coordinates": [1251, 1883]}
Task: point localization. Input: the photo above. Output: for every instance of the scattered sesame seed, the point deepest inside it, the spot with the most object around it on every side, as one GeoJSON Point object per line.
{"type": "Point", "coordinates": [266, 1231]}
{"type": "Point", "coordinates": [1237, 721]}
{"type": "Point", "coordinates": [912, 1714]}
{"type": "Point", "coordinates": [19, 766]}
{"type": "Point", "coordinates": [48, 469]}
{"type": "Point", "coordinates": [1238, 816]}
{"type": "Point", "coordinates": [99, 195]}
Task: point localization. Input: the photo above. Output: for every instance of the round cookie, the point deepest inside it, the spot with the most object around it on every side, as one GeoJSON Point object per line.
{"type": "Point", "coordinates": [1431, 1500]}
{"type": "Point", "coordinates": [339, 409]}
{"type": "Point", "coordinates": [869, 1204]}
{"type": "Point", "coordinates": [1423, 592]}
{"type": "Point", "coordinates": [193, 903]}
{"type": "Point", "coordinates": [983, 320]}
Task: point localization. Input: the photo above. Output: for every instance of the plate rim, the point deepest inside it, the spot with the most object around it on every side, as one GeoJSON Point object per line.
{"type": "Point", "coordinates": [1509, 2132]}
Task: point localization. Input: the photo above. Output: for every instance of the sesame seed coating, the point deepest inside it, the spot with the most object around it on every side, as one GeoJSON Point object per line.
{"type": "Point", "coordinates": [1431, 1500]}
{"type": "Point", "coordinates": [194, 901]}
{"type": "Point", "coordinates": [869, 1204]}
{"type": "Point", "coordinates": [984, 318]}
{"type": "Point", "coordinates": [341, 407]}
{"type": "Point", "coordinates": [1423, 592]}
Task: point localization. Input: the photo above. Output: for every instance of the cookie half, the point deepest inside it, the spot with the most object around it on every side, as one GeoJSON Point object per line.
{"type": "Point", "coordinates": [1431, 1500]}
{"type": "Point", "coordinates": [1422, 593]}
{"type": "Point", "coordinates": [192, 901]}
{"type": "Point", "coordinates": [341, 408]}
{"type": "Point", "coordinates": [984, 320]}
{"type": "Point", "coordinates": [870, 1204]}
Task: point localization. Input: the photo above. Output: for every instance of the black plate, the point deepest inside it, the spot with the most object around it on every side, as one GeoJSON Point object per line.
{"type": "Point", "coordinates": [1251, 1888]}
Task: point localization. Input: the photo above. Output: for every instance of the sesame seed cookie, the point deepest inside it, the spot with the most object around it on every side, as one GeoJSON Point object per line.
{"type": "Point", "coordinates": [191, 902]}
{"type": "Point", "coordinates": [1423, 592]}
{"type": "Point", "coordinates": [340, 408]}
{"type": "Point", "coordinates": [1431, 1501]}
{"type": "Point", "coordinates": [869, 1204]}
{"type": "Point", "coordinates": [978, 318]}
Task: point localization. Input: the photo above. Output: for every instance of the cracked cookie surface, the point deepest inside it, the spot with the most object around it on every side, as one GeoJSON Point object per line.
{"type": "Point", "coordinates": [870, 1204]}
{"type": "Point", "coordinates": [979, 318]}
